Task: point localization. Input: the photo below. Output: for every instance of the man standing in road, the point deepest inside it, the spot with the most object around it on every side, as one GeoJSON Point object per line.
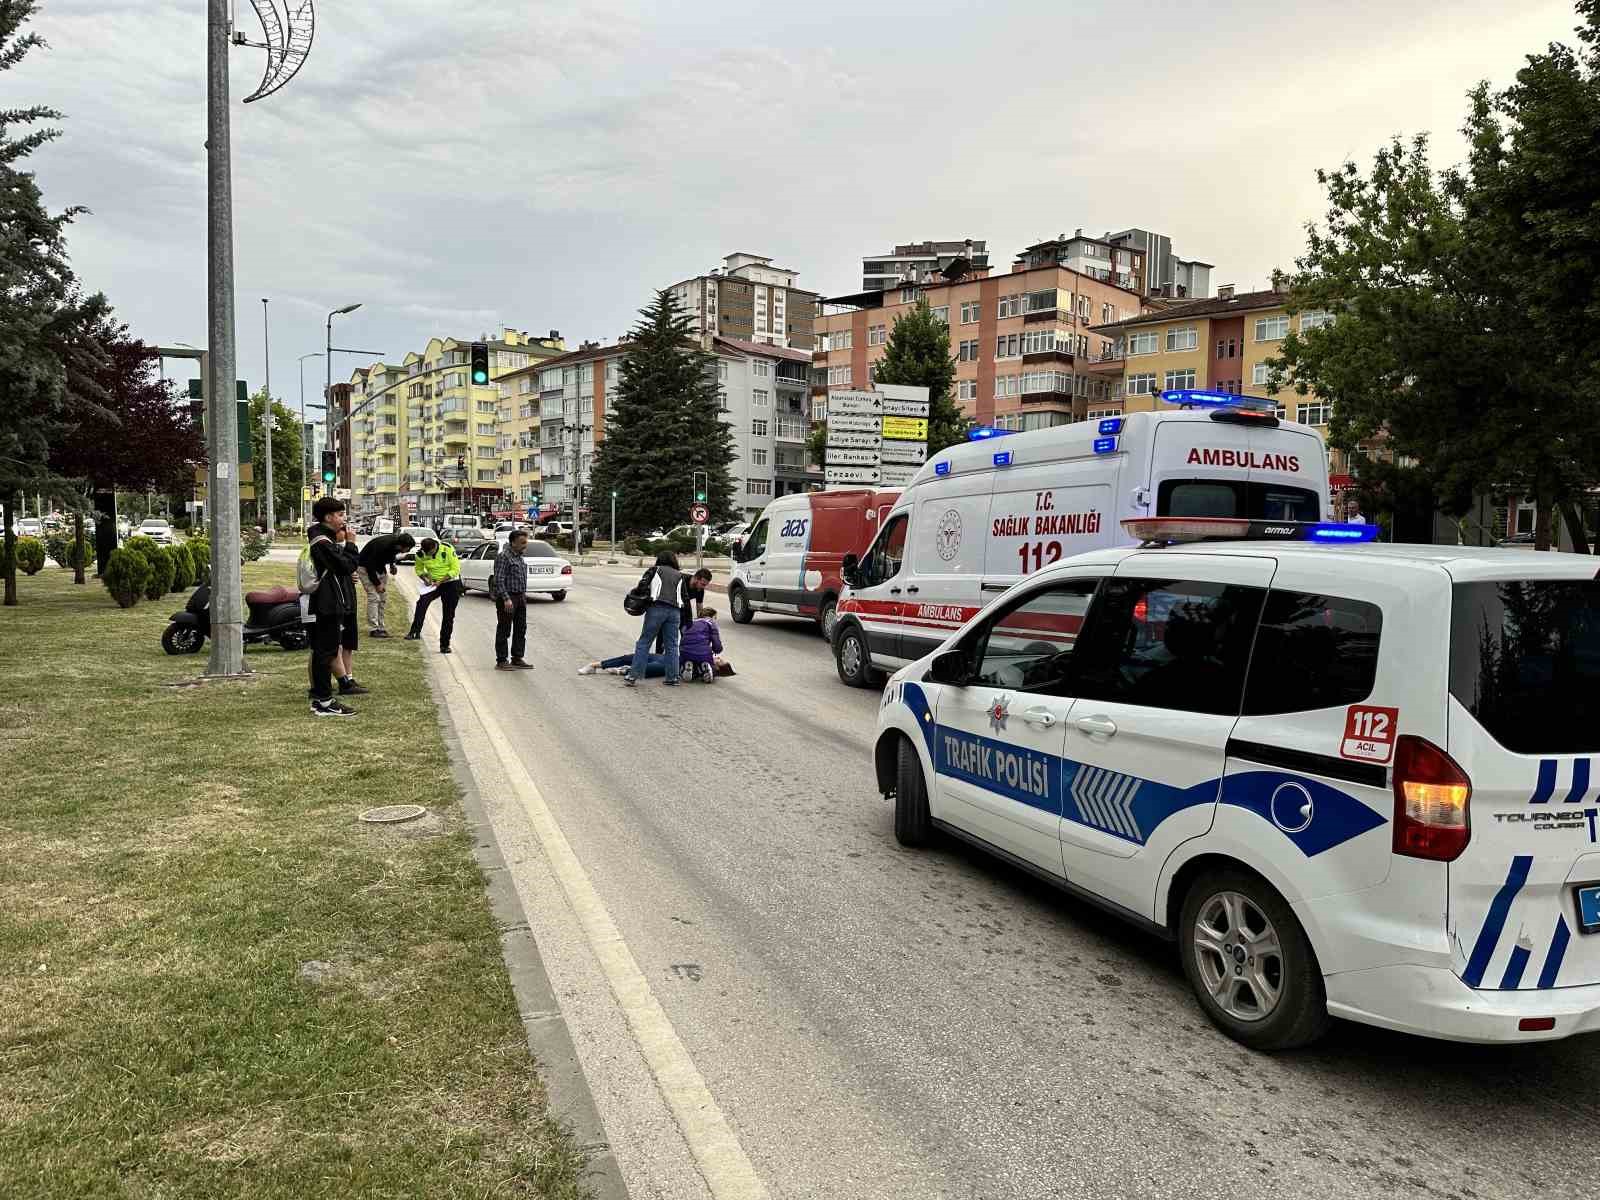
{"type": "Point", "coordinates": [509, 588]}
{"type": "Point", "coordinates": [439, 573]}
{"type": "Point", "coordinates": [377, 564]}
{"type": "Point", "coordinates": [333, 634]}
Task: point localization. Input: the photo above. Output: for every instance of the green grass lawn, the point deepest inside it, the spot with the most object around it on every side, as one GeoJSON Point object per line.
{"type": "Point", "coordinates": [171, 854]}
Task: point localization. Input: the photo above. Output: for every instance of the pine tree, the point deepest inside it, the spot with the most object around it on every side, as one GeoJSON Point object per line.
{"type": "Point", "coordinates": [918, 353]}
{"type": "Point", "coordinates": [667, 424]}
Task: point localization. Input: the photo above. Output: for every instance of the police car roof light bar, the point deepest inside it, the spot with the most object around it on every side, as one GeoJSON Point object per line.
{"type": "Point", "coordinates": [1169, 531]}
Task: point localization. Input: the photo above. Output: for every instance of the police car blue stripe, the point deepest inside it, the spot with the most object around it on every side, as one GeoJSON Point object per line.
{"type": "Point", "coordinates": [1515, 965]}
{"type": "Point", "coordinates": [1580, 781]}
{"type": "Point", "coordinates": [1122, 807]}
{"type": "Point", "coordinates": [1547, 782]}
{"type": "Point", "coordinates": [1100, 794]}
{"type": "Point", "coordinates": [1495, 923]}
{"type": "Point", "coordinates": [1558, 951]}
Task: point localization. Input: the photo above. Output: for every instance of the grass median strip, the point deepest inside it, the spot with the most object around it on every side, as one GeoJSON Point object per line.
{"type": "Point", "coordinates": [216, 981]}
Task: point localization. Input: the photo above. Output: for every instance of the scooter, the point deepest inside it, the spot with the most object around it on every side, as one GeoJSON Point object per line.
{"type": "Point", "coordinates": [272, 615]}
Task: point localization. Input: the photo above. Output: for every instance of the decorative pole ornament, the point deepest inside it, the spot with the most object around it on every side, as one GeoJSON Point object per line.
{"type": "Point", "coordinates": [288, 28]}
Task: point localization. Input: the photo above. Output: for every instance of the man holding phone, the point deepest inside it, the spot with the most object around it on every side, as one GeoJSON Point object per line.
{"type": "Point", "coordinates": [509, 588]}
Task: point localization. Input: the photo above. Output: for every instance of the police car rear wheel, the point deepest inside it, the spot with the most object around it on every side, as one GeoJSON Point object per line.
{"type": "Point", "coordinates": [850, 656]}
{"type": "Point", "coordinates": [911, 820]}
{"type": "Point", "coordinates": [739, 602]}
{"type": "Point", "coordinates": [1250, 964]}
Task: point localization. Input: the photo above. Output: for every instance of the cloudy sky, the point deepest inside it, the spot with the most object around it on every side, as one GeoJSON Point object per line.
{"type": "Point", "coordinates": [457, 165]}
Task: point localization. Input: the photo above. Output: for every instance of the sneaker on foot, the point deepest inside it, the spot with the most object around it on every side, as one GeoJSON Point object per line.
{"type": "Point", "coordinates": [413, 637]}
{"type": "Point", "coordinates": [351, 688]}
{"type": "Point", "coordinates": [378, 633]}
{"type": "Point", "coordinates": [330, 708]}
{"type": "Point", "coordinates": [586, 670]}
{"type": "Point", "coordinates": [518, 665]}
{"type": "Point", "coordinates": [629, 681]}
{"type": "Point", "coordinates": [444, 649]}
{"type": "Point", "coordinates": [503, 666]}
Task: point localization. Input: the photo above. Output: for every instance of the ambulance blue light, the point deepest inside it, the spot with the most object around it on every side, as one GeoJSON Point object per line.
{"type": "Point", "coordinates": [941, 468]}
{"type": "Point", "coordinates": [1201, 398]}
{"type": "Point", "coordinates": [981, 433]}
{"type": "Point", "coordinates": [1003, 458]}
{"type": "Point", "coordinates": [1111, 425]}
{"type": "Point", "coordinates": [1331, 531]}
{"type": "Point", "coordinates": [1105, 445]}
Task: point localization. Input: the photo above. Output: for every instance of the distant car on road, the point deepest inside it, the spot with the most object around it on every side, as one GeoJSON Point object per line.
{"type": "Point", "coordinates": [156, 529]}
{"type": "Point", "coordinates": [30, 527]}
{"type": "Point", "coordinates": [548, 573]}
{"type": "Point", "coordinates": [563, 529]}
{"type": "Point", "coordinates": [417, 532]}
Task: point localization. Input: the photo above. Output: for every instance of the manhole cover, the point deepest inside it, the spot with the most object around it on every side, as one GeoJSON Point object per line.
{"type": "Point", "coordinates": [390, 814]}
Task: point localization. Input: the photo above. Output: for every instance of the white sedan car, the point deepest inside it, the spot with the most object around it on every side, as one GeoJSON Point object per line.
{"type": "Point", "coordinates": [548, 572]}
{"type": "Point", "coordinates": [156, 529]}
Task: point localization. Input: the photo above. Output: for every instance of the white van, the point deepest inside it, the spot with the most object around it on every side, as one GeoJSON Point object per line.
{"type": "Point", "coordinates": [981, 516]}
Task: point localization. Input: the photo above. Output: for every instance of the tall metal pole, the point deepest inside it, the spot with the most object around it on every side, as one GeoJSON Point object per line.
{"type": "Point", "coordinates": [306, 451]}
{"type": "Point", "coordinates": [266, 350]}
{"type": "Point", "coordinates": [227, 644]}
{"type": "Point", "coordinates": [327, 393]}
{"type": "Point", "coordinates": [613, 524]}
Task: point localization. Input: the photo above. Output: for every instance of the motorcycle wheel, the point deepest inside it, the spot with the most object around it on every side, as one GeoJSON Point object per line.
{"type": "Point", "coordinates": [294, 639]}
{"type": "Point", "coordinates": [182, 639]}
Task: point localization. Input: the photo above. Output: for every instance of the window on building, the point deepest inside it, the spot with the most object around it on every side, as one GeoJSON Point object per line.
{"type": "Point", "coordinates": [840, 339]}
{"type": "Point", "coordinates": [1314, 320]}
{"type": "Point", "coordinates": [758, 428]}
{"type": "Point", "coordinates": [967, 389]}
{"type": "Point", "coordinates": [488, 476]}
{"type": "Point", "coordinates": [970, 310]}
{"type": "Point", "coordinates": [1007, 345]}
{"type": "Point", "coordinates": [758, 487]}
{"type": "Point", "coordinates": [1142, 385]}
{"type": "Point", "coordinates": [758, 398]}
{"type": "Point", "coordinates": [908, 295]}
{"type": "Point", "coordinates": [760, 368]}
{"type": "Point", "coordinates": [1259, 374]}
{"type": "Point", "coordinates": [758, 456]}
{"type": "Point", "coordinates": [838, 376]}
{"type": "Point", "coordinates": [1180, 379]}
{"type": "Point", "coordinates": [1313, 414]}
{"type": "Point", "coordinates": [1141, 343]}
{"type": "Point", "coordinates": [942, 313]}
{"type": "Point", "coordinates": [1009, 306]}
{"type": "Point", "coordinates": [1038, 341]}
{"type": "Point", "coordinates": [1108, 314]}
{"type": "Point", "coordinates": [1045, 300]}
{"type": "Point", "coordinates": [1271, 329]}
{"type": "Point", "coordinates": [1183, 337]}
{"type": "Point", "coordinates": [877, 335]}
{"type": "Point", "coordinates": [968, 351]}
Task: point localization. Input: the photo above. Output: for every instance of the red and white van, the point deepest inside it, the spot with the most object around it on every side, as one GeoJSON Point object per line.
{"type": "Point", "coordinates": [791, 560]}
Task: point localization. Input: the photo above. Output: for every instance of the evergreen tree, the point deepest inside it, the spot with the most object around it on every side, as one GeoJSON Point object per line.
{"type": "Point", "coordinates": [667, 425]}
{"type": "Point", "coordinates": [288, 458]}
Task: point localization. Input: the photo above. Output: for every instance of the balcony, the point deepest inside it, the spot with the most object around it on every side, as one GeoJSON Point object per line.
{"type": "Point", "coordinates": [790, 431]}
{"type": "Point", "coordinates": [1054, 396]}
{"type": "Point", "coordinates": [1061, 354]}
{"type": "Point", "coordinates": [1046, 314]}
{"type": "Point", "coordinates": [1107, 362]}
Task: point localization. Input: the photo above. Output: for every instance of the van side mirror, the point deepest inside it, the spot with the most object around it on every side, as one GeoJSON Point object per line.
{"type": "Point", "coordinates": [848, 569]}
{"type": "Point", "coordinates": [950, 668]}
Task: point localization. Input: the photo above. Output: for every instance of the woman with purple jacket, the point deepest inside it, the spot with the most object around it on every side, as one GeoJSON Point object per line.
{"type": "Point", "coordinates": [700, 645]}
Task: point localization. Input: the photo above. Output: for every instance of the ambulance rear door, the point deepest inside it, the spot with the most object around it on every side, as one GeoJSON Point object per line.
{"type": "Point", "coordinates": [1223, 463]}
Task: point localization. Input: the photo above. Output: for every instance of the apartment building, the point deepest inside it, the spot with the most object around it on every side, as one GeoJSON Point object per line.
{"type": "Point", "coordinates": [1026, 357]}
{"type": "Point", "coordinates": [1221, 344]}
{"type": "Point", "coordinates": [749, 299]}
{"type": "Point", "coordinates": [1165, 273]}
{"type": "Point", "coordinates": [917, 260]}
{"type": "Point", "coordinates": [424, 438]}
{"type": "Point", "coordinates": [766, 403]}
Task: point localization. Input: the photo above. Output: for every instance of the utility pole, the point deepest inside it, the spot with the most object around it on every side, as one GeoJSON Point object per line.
{"type": "Point", "coordinates": [227, 643]}
{"type": "Point", "coordinates": [308, 455]}
{"type": "Point", "coordinates": [266, 351]}
{"type": "Point", "coordinates": [578, 430]}
{"type": "Point", "coordinates": [613, 525]}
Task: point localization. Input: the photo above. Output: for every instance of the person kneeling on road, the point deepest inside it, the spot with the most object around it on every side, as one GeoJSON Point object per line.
{"type": "Point", "coordinates": [439, 574]}
{"type": "Point", "coordinates": [333, 603]}
{"type": "Point", "coordinates": [669, 611]}
{"type": "Point", "coordinates": [655, 666]}
{"type": "Point", "coordinates": [701, 644]}
{"type": "Point", "coordinates": [508, 586]}
{"type": "Point", "coordinates": [377, 563]}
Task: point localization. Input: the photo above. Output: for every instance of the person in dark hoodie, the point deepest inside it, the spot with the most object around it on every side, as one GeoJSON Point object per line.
{"type": "Point", "coordinates": [377, 560]}
{"type": "Point", "coordinates": [670, 611]}
{"type": "Point", "coordinates": [333, 633]}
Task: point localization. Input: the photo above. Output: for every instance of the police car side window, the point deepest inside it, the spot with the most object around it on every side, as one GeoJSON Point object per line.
{"type": "Point", "coordinates": [1312, 652]}
{"type": "Point", "coordinates": [888, 553]}
{"type": "Point", "coordinates": [1169, 643]}
{"type": "Point", "coordinates": [1029, 645]}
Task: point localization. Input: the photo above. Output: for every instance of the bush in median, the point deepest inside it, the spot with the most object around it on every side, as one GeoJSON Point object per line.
{"type": "Point", "coordinates": [182, 568]}
{"type": "Point", "coordinates": [200, 554]}
{"type": "Point", "coordinates": [126, 575]}
{"type": "Point", "coordinates": [253, 545]}
{"type": "Point", "coordinates": [161, 571]}
{"type": "Point", "coordinates": [30, 555]}
{"type": "Point", "coordinates": [61, 548]}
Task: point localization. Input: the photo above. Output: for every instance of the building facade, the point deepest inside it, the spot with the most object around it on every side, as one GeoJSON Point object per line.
{"type": "Point", "coordinates": [914, 261]}
{"type": "Point", "coordinates": [1026, 356]}
{"type": "Point", "coordinates": [1165, 273]}
{"type": "Point", "coordinates": [766, 403]}
{"type": "Point", "coordinates": [749, 299]}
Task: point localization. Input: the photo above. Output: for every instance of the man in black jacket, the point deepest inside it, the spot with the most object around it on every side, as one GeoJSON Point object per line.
{"type": "Point", "coordinates": [333, 634]}
{"type": "Point", "coordinates": [377, 563]}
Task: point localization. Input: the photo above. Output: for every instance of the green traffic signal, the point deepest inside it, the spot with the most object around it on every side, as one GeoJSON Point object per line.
{"type": "Point", "coordinates": [480, 364]}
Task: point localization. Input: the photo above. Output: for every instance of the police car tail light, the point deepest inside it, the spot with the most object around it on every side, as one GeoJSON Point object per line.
{"type": "Point", "coordinates": [1432, 799]}
{"type": "Point", "coordinates": [1185, 529]}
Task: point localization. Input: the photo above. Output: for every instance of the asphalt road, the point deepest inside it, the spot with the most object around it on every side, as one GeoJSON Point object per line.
{"type": "Point", "coordinates": [877, 1022]}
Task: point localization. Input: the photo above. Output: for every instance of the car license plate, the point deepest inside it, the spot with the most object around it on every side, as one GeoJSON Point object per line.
{"type": "Point", "coordinates": [542, 570]}
{"type": "Point", "coordinates": [1589, 907]}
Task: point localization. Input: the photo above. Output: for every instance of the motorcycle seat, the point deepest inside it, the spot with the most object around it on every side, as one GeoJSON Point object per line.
{"type": "Point", "coordinates": [277, 595]}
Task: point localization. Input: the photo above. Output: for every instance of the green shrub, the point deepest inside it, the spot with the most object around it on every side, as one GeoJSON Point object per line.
{"type": "Point", "coordinates": [200, 555]}
{"type": "Point", "coordinates": [30, 555]}
{"type": "Point", "coordinates": [162, 567]}
{"type": "Point", "coordinates": [252, 545]}
{"type": "Point", "coordinates": [126, 575]}
{"type": "Point", "coordinates": [62, 549]}
{"type": "Point", "coordinates": [144, 547]}
{"type": "Point", "coordinates": [182, 568]}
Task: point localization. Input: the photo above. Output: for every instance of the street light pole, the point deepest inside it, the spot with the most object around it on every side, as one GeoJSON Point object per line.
{"type": "Point", "coordinates": [613, 525]}
{"type": "Point", "coordinates": [227, 642]}
{"type": "Point", "coordinates": [305, 451]}
{"type": "Point", "coordinates": [266, 350]}
{"type": "Point", "coordinates": [327, 395]}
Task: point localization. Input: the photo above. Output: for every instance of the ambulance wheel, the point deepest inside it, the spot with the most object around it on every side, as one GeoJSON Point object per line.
{"type": "Point", "coordinates": [911, 821]}
{"type": "Point", "coordinates": [828, 619]}
{"type": "Point", "coordinates": [1250, 964]}
{"type": "Point", "coordinates": [851, 657]}
{"type": "Point", "coordinates": [739, 602]}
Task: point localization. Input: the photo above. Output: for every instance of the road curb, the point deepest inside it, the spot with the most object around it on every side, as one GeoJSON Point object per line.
{"type": "Point", "coordinates": [549, 1040]}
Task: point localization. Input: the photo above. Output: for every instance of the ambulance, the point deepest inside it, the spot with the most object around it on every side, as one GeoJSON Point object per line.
{"type": "Point", "coordinates": [791, 559]}
{"type": "Point", "coordinates": [978, 517]}
{"type": "Point", "coordinates": [1352, 781]}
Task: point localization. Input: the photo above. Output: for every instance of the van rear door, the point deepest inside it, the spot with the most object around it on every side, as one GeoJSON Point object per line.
{"type": "Point", "coordinates": [1214, 465]}
{"type": "Point", "coordinates": [1525, 727]}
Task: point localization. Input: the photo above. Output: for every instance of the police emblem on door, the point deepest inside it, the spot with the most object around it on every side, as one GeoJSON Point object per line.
{"type": "Point", "coordinates": [947, 537]}
{"type": "Point", "coordinates": [998, 712]}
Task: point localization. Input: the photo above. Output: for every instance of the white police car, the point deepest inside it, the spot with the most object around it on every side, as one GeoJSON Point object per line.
{"type": "Point", "coordinates": [1348, 780]}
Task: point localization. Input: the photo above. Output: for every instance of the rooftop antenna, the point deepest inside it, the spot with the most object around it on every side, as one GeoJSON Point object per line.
{"type": "Point", "coordinates": [288, 34]}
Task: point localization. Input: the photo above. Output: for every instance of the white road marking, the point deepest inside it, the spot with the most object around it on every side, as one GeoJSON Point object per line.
{"type": "Point", "coordinates": [723, 1164]}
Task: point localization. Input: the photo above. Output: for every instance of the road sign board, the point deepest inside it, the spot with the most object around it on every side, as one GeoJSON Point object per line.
{"type": "Point", "coordinates": [905, 408]}
{"type": "Point", "coordinates": [853, 422]}
{"type": "Point", "coordinates": [851, 474]}
{"type": "Point", "coordinates": [898, 474]}
{"type": "Point", "coordinates": [854, 402]}
{"type": "Point", "coordinates": [699, 514]}
{"type": "Point", "coordinates": [853, 441]}
{"type": "Point", "coordinates": [909, 429]}
{"type": "Point", "coordinates": [905, 452]}
{"type": "Point", "coordinates": [853, 458]}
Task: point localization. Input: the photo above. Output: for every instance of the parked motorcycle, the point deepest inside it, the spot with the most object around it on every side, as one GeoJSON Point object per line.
{"type": "Point", "coordinates": [272, 615]}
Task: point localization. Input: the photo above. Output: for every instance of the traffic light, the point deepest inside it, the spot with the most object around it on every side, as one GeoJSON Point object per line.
{"type": "Point", "coordinates": [330, 467]}
{"type": "Point", "coordinates": [461, 462]}
{"type": "Point", "coordinates": [480, 364]}
{"type": "Point", "coordinates": [702, 486]}
{"type": "Point", "coordinates": [533, 501]}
